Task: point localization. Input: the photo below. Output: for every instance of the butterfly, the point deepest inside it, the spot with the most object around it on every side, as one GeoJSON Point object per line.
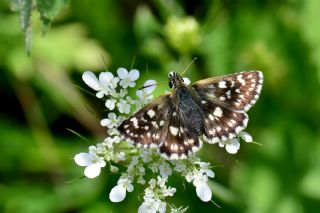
{"type": "Point", "coordinates": [214, 108]}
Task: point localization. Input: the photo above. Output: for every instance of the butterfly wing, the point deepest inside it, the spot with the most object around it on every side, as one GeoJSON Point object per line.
{"type": "Point", "coordinates": [221, 124]}
{"type": "Point", "coordinates": [225, 100]}
{"type": "Point", "coordinates": [148, 127]}
{"type": "Point", "coordinates": [236, 92]}
{"type": "Point", "coordinates": [181, 140]}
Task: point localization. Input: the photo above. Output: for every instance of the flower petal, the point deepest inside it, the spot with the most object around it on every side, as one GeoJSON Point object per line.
{"type": "Point", "coordinates": [210, 173]}
{"type": "Point", "coordinates": [122, 72]}
{"type": "Point", "coordinates": [233, 146]}
{"type": "Point", "coordinates": [83, 159]}
{"type": "Point", "coordinates": [112, 115]}
{"type": "Point", "coordinates": [105, 122]}
{"type": "Point", "coordinates": [186, 80]}
{"type": "Point", "coordinates": [92, 171]}
{"type": "Point", "coordinates": [130, 188]}
{"type": "Point", "coordinates": [132, 84]}
{"type": "Point", "coordinates": [245, 136]}
{"type": "Point", "coordinates": [91, 80]}
{"type": "Point", "coordinates": [204, 192]}
{"type": "Point", "coordinates": [118, 193]}
{"type": "Point", "coordinates": [100, 94]}
{"type": "Point", "coordinates": [105, 77]}
{"type": "Point", "coordinates": [133, 75]}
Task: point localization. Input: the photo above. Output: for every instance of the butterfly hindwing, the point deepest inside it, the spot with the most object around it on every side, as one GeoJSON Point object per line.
{"type": "Point", "coordinates": [221, 124]}
{"type": "Point", "coordinates": [148, 127]}
{"type": "Point", "coordinates": [181, 141]}
{"type": "Point", "coordinates": [237, 92]}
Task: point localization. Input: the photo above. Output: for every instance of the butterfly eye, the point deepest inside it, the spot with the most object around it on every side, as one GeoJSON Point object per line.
{"type": "Point", "coordinates": [170, 74]}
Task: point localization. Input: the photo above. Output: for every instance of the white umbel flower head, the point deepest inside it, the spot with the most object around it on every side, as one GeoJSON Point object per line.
{"type": "Point", "coordinates": [92, 162]}
{"type": "Point", "coordinates": [118, 193]}
{"type": "Point", "coordinates": [128, 78]}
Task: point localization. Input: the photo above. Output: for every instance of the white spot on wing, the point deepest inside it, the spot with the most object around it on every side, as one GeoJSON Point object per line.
{"type": "Point", "coordinates": [151, 113]}
{"type": "Point", "coordinates": [222, 84]}
{"type": "Point", "coordinates": [217, 112]}
{"type": "Point", "coordinates": [174, 130]}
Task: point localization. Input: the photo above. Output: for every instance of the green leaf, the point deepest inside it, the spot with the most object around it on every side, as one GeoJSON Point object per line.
{"type": "Point", "coordinates": [48, 9]}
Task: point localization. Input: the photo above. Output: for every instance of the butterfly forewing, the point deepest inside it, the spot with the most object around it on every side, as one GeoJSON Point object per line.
{"type": "Point", "coordinates": [148, 127]}
{"type": "Point", "coordinates": [237, 91]}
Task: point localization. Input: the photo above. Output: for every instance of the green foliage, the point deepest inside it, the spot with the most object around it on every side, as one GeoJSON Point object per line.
{"type": "Point", "coordinates": [48, 9]}
{"type": "Point", "coordinates": [40, 101]}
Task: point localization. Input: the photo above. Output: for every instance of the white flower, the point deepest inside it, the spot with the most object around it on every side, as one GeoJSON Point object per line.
{"type": "Point", "coordinates": [146, 156]}
{"type": "Point", "coordinates": [204, 192]}
{"type": "Point", "coordinates": [121, 156]}
{"type": "Point", "coordinates": [152, 206]}
{"type": "Point", "coordinates": [199, 179]}
{"type": "Point", "coordinates": [141, 180]}
{"type": "Point", "coordinates": [210, 173]}
{"type": "Point", "coordinates": [118, 193]}
{"type": "Point", "coordinates": [186, 80]}
{"type": "Point", "coordinates": [161, 181]}
{"type": "Point", "coordinates": [165, 170]}
{"type": "Point", "coordinates": [128, 79]}
{"type": "Point", "coordinates": [92, 162]}
{"type": "Point", "coordinates": [124, 107]}
{"type": "Point", "coordinates": [111, 121]}
{"type": "Point", "coordinates": [202, 188]}
{"type": "Point", "coordinates": [147, 207]}
{"type": "Point", "coordinates": [168, 191]}
{"type": "Point", "coordinates": [114, 169]}
{"type": "Point", "coordinates": [111, 103]}
{"type": "Point", "coordinates": [189, 176]}
{"type": "Point", "coordinates": [106, 83]}
{"type": "Point", "coordinates": [179, 166]}
{"type": "Point", "coordinates": [245, 136]}
{"type": "Point", "coordinates": [233, 146]}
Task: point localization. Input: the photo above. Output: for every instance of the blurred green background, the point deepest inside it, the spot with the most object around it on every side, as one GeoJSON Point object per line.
{"type": "Point", "coordinates": [40, 98]}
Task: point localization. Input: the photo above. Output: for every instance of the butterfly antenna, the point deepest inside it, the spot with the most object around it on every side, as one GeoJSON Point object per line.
{"type": "Point", "coordinates": [193, 60]}
{"type": "Point", "coordinates": [141, 88]}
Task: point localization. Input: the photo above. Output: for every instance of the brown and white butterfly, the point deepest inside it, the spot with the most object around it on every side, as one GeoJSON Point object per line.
{"type": "Point", "coordinates": [215, 108]}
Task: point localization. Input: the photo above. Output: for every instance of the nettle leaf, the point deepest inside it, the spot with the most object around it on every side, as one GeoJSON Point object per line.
{"type": "Point", "coordinates": [48, 9]}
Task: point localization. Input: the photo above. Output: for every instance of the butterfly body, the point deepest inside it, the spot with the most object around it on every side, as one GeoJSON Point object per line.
{"type": "Point", "coordinates": [215, 108]}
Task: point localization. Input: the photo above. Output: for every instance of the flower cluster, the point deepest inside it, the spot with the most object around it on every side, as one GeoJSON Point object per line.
{"type": "Point", "coordinates": [142, 166]}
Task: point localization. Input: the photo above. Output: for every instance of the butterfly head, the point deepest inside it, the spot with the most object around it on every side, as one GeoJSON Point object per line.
{"type": "Point", "coordinates": [175, 79]}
